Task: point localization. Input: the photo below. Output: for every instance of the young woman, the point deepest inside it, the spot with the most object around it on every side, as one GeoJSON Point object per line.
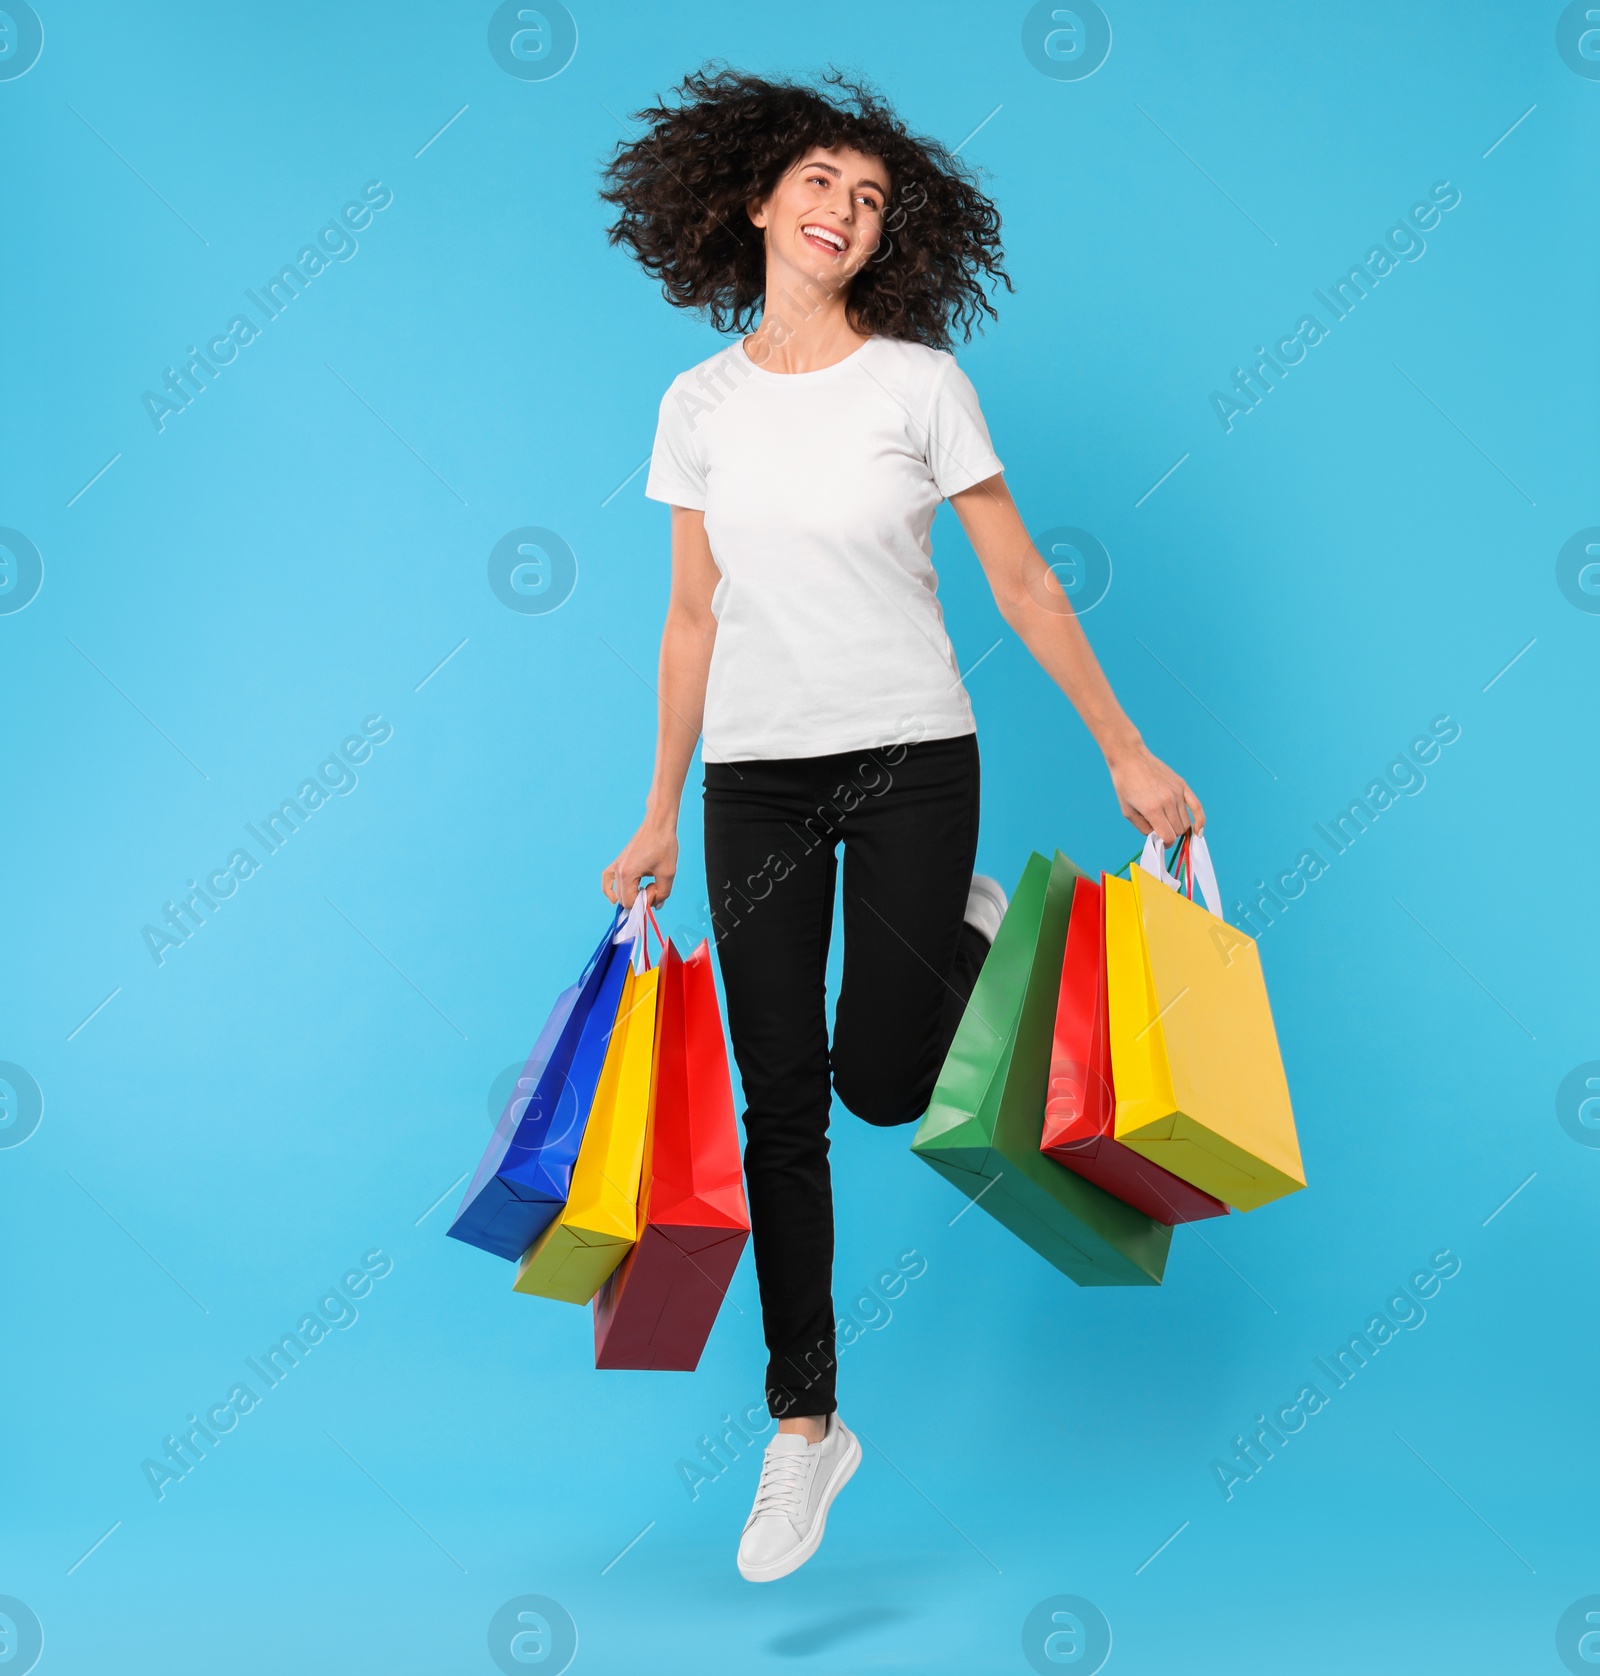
{"type": "Point", "coordinates": [805, 649]}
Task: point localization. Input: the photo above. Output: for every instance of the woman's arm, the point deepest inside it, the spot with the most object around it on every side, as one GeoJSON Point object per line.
{"type": "Point", "coordinates": [1032, 601]}
{"type": "Point", "coordinates": [686, 642]}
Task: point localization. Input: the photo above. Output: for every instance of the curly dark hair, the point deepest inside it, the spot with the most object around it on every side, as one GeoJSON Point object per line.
{"type": "Point", "coordinates": [681, 191]}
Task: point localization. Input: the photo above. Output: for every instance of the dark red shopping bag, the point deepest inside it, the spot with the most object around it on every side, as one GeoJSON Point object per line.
{"type": "Point", "coordinates": [657, 1308]}
{"type": "Point", "coordinates": [1081, 1107]}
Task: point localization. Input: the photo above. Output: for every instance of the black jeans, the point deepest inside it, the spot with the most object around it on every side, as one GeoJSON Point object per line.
{"type": "Point", "coordinates": [908, 818]}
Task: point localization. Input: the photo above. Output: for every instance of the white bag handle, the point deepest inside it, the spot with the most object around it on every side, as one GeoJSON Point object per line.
{"type": "Point", "coordinates": [1153, 861]}
{"type": "Point", "coordinates": [632, 929]}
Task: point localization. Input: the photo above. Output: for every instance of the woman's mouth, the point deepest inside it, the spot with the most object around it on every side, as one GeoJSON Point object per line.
{"type": "Point", "coordinates": [825, 239]}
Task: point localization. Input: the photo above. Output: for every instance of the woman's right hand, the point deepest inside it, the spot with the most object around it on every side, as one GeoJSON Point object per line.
{"type": "Point", "coordinates": [651, 852]}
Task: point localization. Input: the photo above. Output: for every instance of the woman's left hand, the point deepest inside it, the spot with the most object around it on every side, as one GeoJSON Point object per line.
{"type": "Point", "coordinates": [1154, 798]}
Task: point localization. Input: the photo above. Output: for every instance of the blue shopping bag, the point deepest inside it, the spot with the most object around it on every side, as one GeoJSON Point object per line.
{"type": "Point", "coordinates": [522, 1181]}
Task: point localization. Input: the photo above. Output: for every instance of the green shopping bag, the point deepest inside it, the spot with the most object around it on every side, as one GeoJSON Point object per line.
{"type": "Point", "coordinates": [983, 1125]}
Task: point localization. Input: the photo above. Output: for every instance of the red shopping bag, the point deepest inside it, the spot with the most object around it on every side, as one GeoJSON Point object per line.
{"type": "Point", "coordinates": [1081, 1107]}
{"type": "Point", "coordinates": [656, 1310]}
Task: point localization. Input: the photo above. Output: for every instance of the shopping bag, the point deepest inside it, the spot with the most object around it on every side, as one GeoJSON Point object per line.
{"type": "Point", "coordinates": [594, 1229]}
{"type": "Point", "coordinates": [1080, 1108]}
{"type": "Point", "coordinates": [511, 1117]}
{"type": "Point", "coordinates": [657, 1308]}
{"type": "Point", "coordinates": [983, 1126]}
{"type": "Point", "coordinates": [1199, 1079]}
{"type": "Point", "coordinates": [522, 1180]}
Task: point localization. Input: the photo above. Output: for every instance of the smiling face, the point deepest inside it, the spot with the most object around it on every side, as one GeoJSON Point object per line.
{"type": "Point", "coordinates": [824, 218]}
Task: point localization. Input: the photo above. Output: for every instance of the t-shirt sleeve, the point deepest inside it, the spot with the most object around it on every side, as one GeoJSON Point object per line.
{"type": "Point", "coordinates": [677, 473]}
{"type": "Point", "coordinates": [959, 451]}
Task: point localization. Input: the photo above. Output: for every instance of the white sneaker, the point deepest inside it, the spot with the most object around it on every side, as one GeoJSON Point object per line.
{"type": "Point", "coordinates": [798, 1483]}
{"type": "Point", "coordinates": [986, 905]}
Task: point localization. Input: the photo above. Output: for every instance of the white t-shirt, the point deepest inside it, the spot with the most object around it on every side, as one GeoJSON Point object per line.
{"type": "Point", "coordinates": [819, 490]}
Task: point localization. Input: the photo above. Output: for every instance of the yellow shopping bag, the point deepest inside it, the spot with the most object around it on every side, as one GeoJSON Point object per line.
{"type": "Point", "coordinates": [1195, 1062]}
{"type": "Point", "coordinates": [572, 1259]}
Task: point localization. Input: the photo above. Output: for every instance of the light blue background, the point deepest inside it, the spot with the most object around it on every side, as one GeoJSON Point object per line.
{"type": "Point", "coordinates": [1288, 609]}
